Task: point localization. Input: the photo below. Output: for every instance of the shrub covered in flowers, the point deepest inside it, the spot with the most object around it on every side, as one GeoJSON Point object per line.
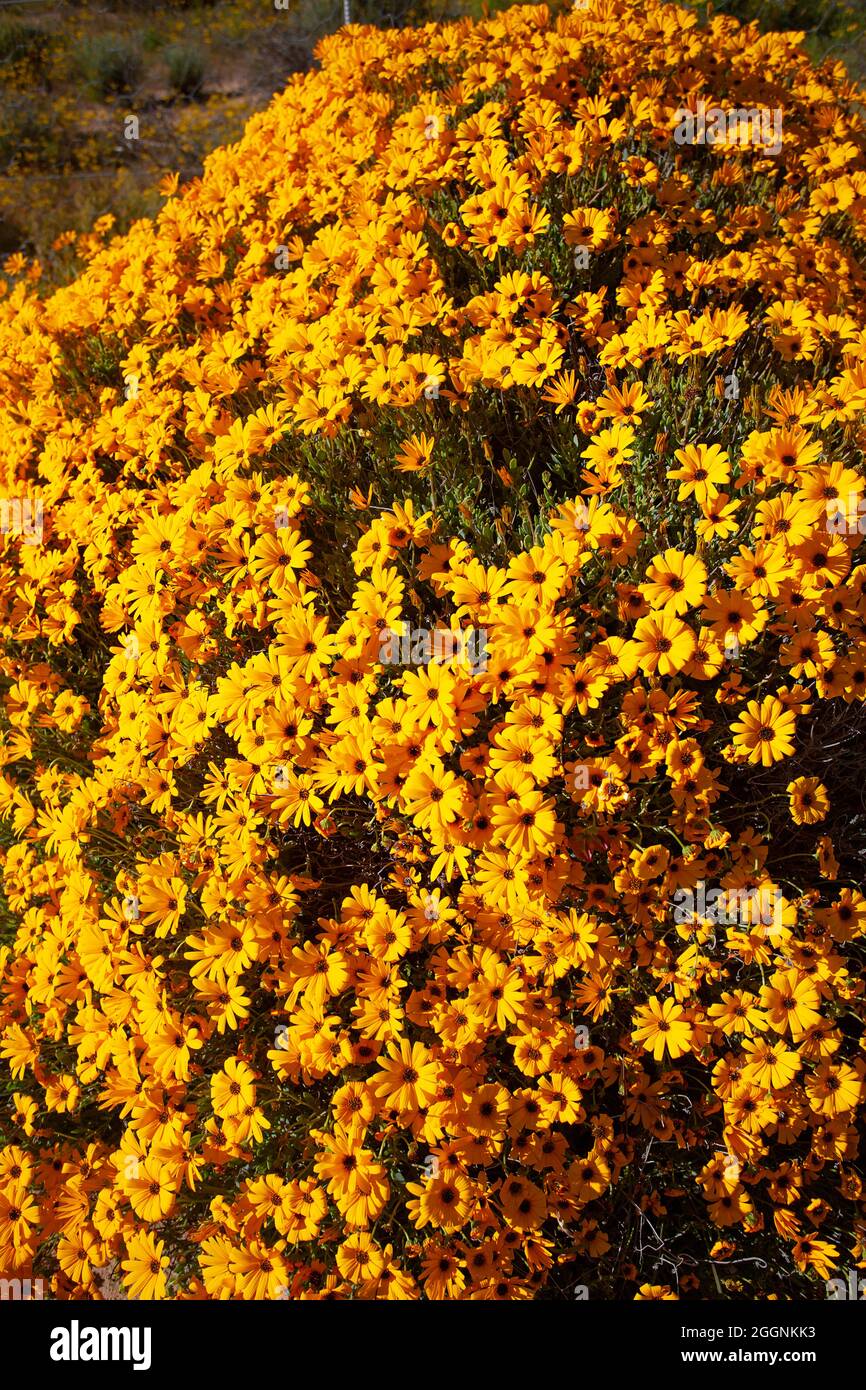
{"type": "Point", "coordinates": [330, 968]}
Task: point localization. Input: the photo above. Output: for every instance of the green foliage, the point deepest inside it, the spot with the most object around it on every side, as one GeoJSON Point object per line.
{"type": "Point", "coordinates": [186, 68]}
{"type": "Point", "coordinates": [112, 64]}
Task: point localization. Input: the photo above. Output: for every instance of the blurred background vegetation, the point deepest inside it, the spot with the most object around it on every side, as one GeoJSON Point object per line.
{"type": "Point", "coordinates": [834, 29]}
{"type": "Point", "coordinates": [191, 72]}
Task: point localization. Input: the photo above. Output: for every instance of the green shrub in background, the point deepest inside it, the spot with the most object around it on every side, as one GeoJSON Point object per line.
{"type": "Point", "coordinates": [186, 68]}
{"type": "Point", "coordinates": [112, 64]}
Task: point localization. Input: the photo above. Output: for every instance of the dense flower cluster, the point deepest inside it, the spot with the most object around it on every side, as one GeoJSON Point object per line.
{"type": "Point", "coordinates": [325, 975]}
